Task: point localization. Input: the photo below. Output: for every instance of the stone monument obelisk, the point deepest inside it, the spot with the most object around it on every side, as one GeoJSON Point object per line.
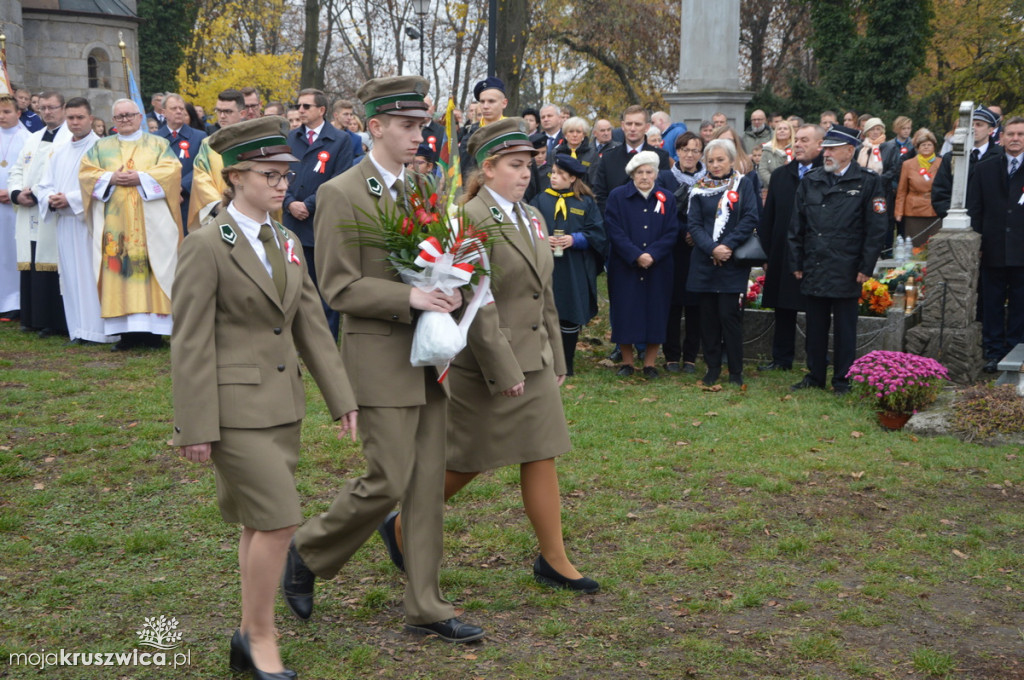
{"type": "Point", "coordinates": [709, 65]}
{"type": "Point", "coordinates": [948, 331]}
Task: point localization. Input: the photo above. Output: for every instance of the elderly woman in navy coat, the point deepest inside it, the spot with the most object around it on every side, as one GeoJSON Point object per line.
{"type": "Point", "coordinates": [568, 206]}
{"type": "Point", "coordinates": [642, 227]}
{"type": "Point", "coordinates": [722, 216]}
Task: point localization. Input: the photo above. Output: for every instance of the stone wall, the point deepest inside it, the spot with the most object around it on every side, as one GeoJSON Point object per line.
{"type": "Point", "coordinates": [873, 332]}
{"type": "Point", "coordinates": [57, 47]}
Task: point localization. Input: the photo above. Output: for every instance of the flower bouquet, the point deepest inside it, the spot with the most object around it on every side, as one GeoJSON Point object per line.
{"type": "Point", "coordinates": [431, 247]}
{"type": "Point", "coordinates": [898, 382]}
{"type": "Point", "coordinates": [874, 298]}
{"type": "Point", "coordinates": [755, 289]}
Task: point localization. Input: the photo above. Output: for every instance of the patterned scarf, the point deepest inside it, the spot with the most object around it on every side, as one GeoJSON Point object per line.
{"type": "Point", "coordinates": [727, 187]}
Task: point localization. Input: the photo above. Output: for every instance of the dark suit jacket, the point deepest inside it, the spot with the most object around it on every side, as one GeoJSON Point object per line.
{"type": "Point", "coordinates": [781, 288]}
{"type": "Point", "coordinates": [993, 202]}
{"type": "Point", "coordinates": [332, 146]}
{"type": "Point", "coordinates": [435, 130]}
{"type": "Point", "coordinates": [611, 170]}
{"type": "Point", "coordinates": [942, 187]}
{"type": "Point", "coordinates": [184, 149]}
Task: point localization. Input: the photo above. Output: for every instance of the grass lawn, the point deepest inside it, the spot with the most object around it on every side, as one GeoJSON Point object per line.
{"type": "Point", "coordinates": [737, 534]}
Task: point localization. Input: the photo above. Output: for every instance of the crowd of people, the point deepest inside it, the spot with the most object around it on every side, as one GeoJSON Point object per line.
{"type": "Point", "coordinates": [193, 230]}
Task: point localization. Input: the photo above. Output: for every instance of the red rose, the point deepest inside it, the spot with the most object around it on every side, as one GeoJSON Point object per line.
{"type": "Point", "coordinates": [408, 226]}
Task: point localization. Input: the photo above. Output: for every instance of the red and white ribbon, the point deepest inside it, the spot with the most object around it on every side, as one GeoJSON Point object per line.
{"type": "Point", "coordinates": [903, 150]}
{"type": "Point", "coordinates": [536, 228]}
{"type": "Point", "coordinates": [432, 143]}
{"type": "Point", "coordinates": [183, 149]}
{"type": "Point", "coordinates": [878, 154]}
{"type": "Point", "coordinates": [732, 197]}
{"type": "Point", "coordinates": [924, 173]}
{"type": "Point", "coordinates": [322, 159]}
{"type": "Point", "coordinates": [789, 155]}
{"type": "Point", "coordinates": [660, 208]}
{"type": "Point", "coordinates": [289, 249]}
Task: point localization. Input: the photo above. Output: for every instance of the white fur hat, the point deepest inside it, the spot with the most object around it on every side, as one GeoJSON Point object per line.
{"type": "Point", "coordinates": [643, 158]}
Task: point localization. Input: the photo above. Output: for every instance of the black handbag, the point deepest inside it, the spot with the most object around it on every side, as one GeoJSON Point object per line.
{"type": "Point", "coordinates": [750, 253]}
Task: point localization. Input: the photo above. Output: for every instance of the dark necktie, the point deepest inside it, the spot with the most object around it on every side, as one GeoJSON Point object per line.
{"type": "Point", "coordinates": [974, 155]}
{"type": "Point", "coordinates": [524, 230]}
{"type": "Point", "coordinates": [632, 152]}
{"type": "Point", "coordinates": [551, 146]}
{"type": "Point", "coordinates": [310, 135]}
{"type": "Point", "coordinates": [1014, 165]}
{"type": "Point", "coordinates": [275, 257]}
{"type": "Point", "coordinates": [174, 134]}
{"type": "Point", "coordinates": [399, 187]}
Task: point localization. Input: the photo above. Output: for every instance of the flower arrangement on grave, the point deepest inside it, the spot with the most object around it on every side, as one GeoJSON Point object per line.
{"type": "Point", "coordinates": [897, 382]}
{"type": "Point", "coordinates": [755, 291]}
{"type": "Point", "coordinates": [874, 298]}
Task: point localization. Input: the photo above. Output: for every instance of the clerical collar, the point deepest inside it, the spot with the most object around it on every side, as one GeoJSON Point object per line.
{"type": "Point", "coordinates": [133, 137]}
{"type": "Point", "coordinates": [49, 134]}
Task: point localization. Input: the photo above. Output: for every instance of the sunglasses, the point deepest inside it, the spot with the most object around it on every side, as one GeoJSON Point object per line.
{"type": "Point", "coordinates": [306, 107]}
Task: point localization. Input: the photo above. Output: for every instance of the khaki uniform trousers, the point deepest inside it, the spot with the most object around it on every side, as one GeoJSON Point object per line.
{"type": "Point", "coordinates": [405, 455]}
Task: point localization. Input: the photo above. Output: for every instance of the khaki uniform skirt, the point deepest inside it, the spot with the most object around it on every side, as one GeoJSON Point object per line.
{"type": "Point", "coordinates": [255, 472]}
{"type": "Point", "coordinates": [487, 432]}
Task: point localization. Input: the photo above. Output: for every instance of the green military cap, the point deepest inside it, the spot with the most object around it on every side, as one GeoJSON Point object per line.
{"type": "Point", "coordinates": [507, 135]}
{"type": "Point", "coordinates": [259, 139]}
{"type": "Point", "coordinates": [396, 96]}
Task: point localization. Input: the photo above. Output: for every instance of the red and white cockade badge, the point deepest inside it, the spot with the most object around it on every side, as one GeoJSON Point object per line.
{"type": "Point", "coordinates": [183, 149]}
{"type": "Point", "coordinates": [289, 249]}
{"type": "Point", "coordinates": [732, 197]}
{"type": "Point", "coordinates": [924, 173]}
{"type": "Point", "coordinates": [536, 227]}
{"type": "Point", "coordinates": [322, 159]}
{"type": "Point", "coordinates": [432, 143]}
{"type": "Point", "coordinates": [1020, 201]}
{"type": "Point", "coordinates": [789, 155]}
{"type": "Point", "coordinates": [903, 150]}
{"type": "Point", "coordinates": [660, 208]}
{"type": "Point", "coordinates": [878, 154]}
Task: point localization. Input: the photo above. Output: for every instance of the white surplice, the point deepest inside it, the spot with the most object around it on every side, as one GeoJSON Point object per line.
{"type": "Point", "coordinates": [11, 141]}
{"type": "Point", "coordinates": [74, 241]}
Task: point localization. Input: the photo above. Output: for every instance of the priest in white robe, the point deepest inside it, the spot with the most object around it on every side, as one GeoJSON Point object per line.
{"type": "Point", "coordinates": [12, 137]}
{"type": "Point", "coordinates": [60, 193]}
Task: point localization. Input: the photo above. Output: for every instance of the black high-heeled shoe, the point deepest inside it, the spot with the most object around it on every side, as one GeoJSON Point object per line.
{"type": "Point", "coordinates": [241, 661]}
{"type": "Point", "coordinates": [544, 574]}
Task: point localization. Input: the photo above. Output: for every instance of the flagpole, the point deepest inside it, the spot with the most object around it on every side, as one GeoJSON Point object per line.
{"type": "Point", "coordinates": [124, 64]}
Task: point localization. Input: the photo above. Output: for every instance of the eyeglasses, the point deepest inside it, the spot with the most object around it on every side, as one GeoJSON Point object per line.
{"type": "Point", "coordinates": [47, 109]}
{"type": "Point", "coordinates": [252, 106]}
{"type": "Point", "coordinates": [690, 151]}
{"type": "Point", "coordinates": [306, 107]}
{"type": "Point", "coordinates": [224, 112]}
{"type": "Point", "coordinates": [125, 117]}
{"type": "Point", "coordinates": [274, 177]}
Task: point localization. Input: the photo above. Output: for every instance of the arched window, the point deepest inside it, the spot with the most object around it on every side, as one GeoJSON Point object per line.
{"type": "Point", "coordinates": [98, 69]}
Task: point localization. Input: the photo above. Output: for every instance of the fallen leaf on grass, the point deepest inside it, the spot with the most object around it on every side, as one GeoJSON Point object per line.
{"type": "Point", "coordinates": [857, 475]}
{"type": "Point", "coordinates": [637, 440]}
{"type": "Point", "coordinates": [711, 414]}
{"type": "Point", "coordinates": [607, 363]}
{"type": "Point", "coordinates": [632, 515]}
{"type": "Point", "coordinates": [38, 486]}
{"type": "Point", "coordinates": [961, 555]}
{"type": "Point", "coordinates": [668, 415]}
{"type": "Point", "coordinates": [856, 435]}
{"type": "Point", "coordinates": [469, 656]}
{"type": "Point", "coordinates": [732, 631]}
{"type": "Point", "coordinates": [49, 459]}
{"type": "Point", "coordinates": [914, 439]}
{"type": "Point", "coordinates": [786, 398]}
{"type": "Point", "coordinates": [947, 522]}
{"type": "Point", "coordinates": [696, 423]}
{"type": "Point", "coordinates": [709, 388]}
{"type": "Point", "coordinates": [682, 443]}
{"type": "Point", "coordinates": [647, 400]}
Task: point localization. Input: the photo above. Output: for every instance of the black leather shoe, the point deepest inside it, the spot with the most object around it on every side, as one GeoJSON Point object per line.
{"type": "Point", "coordinates": [387, 534]}
{"type": "Point", "coordinates": [775, 366]}
{"type": "Point", "coordinates": [625, 370]}
{"type": "Point", "coordinates": [689, 367]}
{"type": "Point", "coordinates": [806, 384]}
{"type": "Point", "coordinates": [241, 661]}
{"type": "Point", "coordinates": [991, 366]}
{"type": "Point", "coordinates": [616, 355]}
{"type": "Point", "coordinates": [651, 373]}
{"type": "Point", "coordinates": [736, 380]}
{"type": "Point", "coordinates": [545, 575]}
{"type": "Point", "coordinates": [47, 333]}
{"type": "Point", "coordinates": [840, 390]}
{"type": "Point", "coordinates": [451, 630]}
{"type": "Point", "coordinates": [673, 367]}
{"type": "Point", "coordinates": [297, 584]}
{"type": "Point", "coordinates": [710, 378]}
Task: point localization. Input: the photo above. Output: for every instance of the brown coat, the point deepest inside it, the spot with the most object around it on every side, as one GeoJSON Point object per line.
{"type": "Point", "coordinates": [235, 347]}
{"type": "Point", "coordinates": [914, 194]}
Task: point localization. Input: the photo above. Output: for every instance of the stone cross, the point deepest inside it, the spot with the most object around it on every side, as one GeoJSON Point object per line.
{"type": "Point", "coordinates": [963, 142]}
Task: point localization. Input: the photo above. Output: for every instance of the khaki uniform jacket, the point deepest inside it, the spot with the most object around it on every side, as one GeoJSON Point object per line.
{"type": "Point", "coordinates": [235, 347]}
{"type": "Point", "coordinates": [356, 280]}
{"type": "Point", "coordinates": [518, 334]}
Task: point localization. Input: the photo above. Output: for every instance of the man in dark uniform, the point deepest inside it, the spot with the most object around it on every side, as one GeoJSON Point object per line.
{"type": "Point", "coordinates": [184, 141]}
{"type": "Point", "coordinates": [984, 122]}
{"type": "Point", "coordinates": [611, 169]}
{"type": "Point", "coordinates": [323, 152]}
{"type": "Point", "coordinates": [781, 290]}
{"type": "Point", "coordinates": [835, 238]}
{"type": "Point", "coordinates": [995, 202]}
{"type": "Point", "coordinates": [490, 94]}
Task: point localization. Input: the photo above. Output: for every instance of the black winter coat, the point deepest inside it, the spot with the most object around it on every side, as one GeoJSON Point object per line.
{"type": "Point", "coordinates": [837, 231]}
{"type": "Point", "coordinates": [781, 289]}
{"type": "Point", "coordinates": [705, 276]}
{"type": "Point", "coordinates": [994, 204]}
{"type": "Point", "coordinates": [611, 170]}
